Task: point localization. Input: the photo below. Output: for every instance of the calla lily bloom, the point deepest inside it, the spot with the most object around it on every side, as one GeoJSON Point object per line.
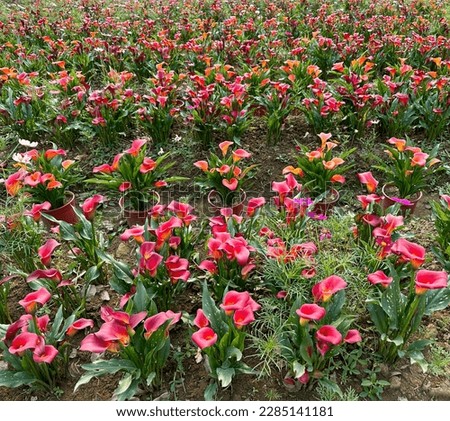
{"type": "Point", "coordinates": [352, 337]}
{"type": "Point", "coordinates": [15, 182]}
{"type": "Point", "coordinates": [153, 323]}
{"type": "Point", "coordinates": [308, 312]}
{"type": "Point", "coordinates": [31, 301]}
{"type": "Point", "coordinates": [89, 206]}
{"type": "Point", "coordinates": [137, 232]}
{"type": "Point", "coordinates": [208, 266]}
{"type": "Point", "coordinates": [45, 354]}
{"type": "Point", "coordinates": [136, 147]}
{"type": "Point", "coordinates": [366, 200]}
{"type": "Point", "coordinates": [126, 185]}
{"type": "Point", "coordinates": [369, 180]}
{"type": "Point", "coordinates": [52, 274]}
{"type": "Point", "coordinates": [234, 300]}
{"type": "Point", "coordinates": [202, 165]}
{"type": "Point", "coordinates": [93, 343]}
{"type": "Point", "coordinates": [326, 288]}
{"type": "Point", "coordinates": [254, 204]}
{"type": "Point", "coordinates": [329, 334]}
{"type": "Point", "coordinates": [147, 165]}
{"type": "Point", "coordinates": [204, 337]}
{"type": "Point", "coordinates": [400, 144]}
{"type": "Point", "coordinates": [243, 317]}
{"type": "Point", "coordinates": [177, 268]}
{"type": "Point", "coordinates": [239, 154]}
{"type": "Point", "coordinates": [22, 342]}
{"type": "Point", "coordinates": [446, 199]}
{"type": "Point", "coordinates": [51, 153]}
{"type": "Point", "coordinates": [37, 209]}
{"type": "Point", "coordinates": [104, 169]}
{"type": "Point", "coordinates": [409, 252]}
{"type": "Point", "coordinates": [430, 279]}
{"type": "Point", "coordinates": [419, 159]}
{"type": "Point", "coordinates": [224, 146]}
{"type": "Point", "coordinates": [200, 319]}
{"type": "Point", "coordinates": [45, 252]}
{"type": "Point", "coordinates": [231, 184]}
{"type": "Point", "coordinates": [379, 277]}
{"type": "Point", "coordinates": [79, 325]}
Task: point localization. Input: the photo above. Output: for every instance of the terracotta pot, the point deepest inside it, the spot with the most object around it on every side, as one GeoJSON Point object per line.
{"type": "Point", "coordinates": [135, 217]}
{"type": "Point", "coordinates": [216, 202]}
{"type": "Point", "coordinates": [389, 197]}
{"type": "Point", "coordinates": [326, 205]}
{"type": "Point", "coordinates": [65, 213]}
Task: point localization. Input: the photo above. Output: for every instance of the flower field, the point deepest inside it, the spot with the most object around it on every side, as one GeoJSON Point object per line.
{"type": "Point", "coordinates": [225, 200]}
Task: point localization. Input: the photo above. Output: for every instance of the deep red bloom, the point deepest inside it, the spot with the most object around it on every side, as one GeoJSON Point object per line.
{"type": "Point", "coordinates": [243, 316]}
{"type": "Point", "coordinates": [52, 274]}
{"type": "Point", "coordinates": [125, 186]}
{"type": "Point", "coordinates": [326, 288]}
{"type": "Point", "coordinates": [136, 147]}
{"type": "Point", "coordinates": [89, 206]}
{"type": "Point", "coordinates": [22, 342]}
{"type": "Point", "coordinates": [200, 319]}
{"type": "Point", "coordinates": [309, 312]}
{"type": "Point", "coordinates": [204, 337]}
{"type": "Point", "coordinates": [30, 302]}
{"type": "Point", "coordinates": [177, 268]}
{"type": "Point", "coordinates": [45, 252]}
{"type": "Point", "coordinates": [379, 277]}
{"type": "Point", "coordinates": [153, 323]}
{"type": "Point", "coordinates": [78, 325]}
{"type": "Point", "coordinates": [430, 279]}
{"type": "Point", "coordinates": [368, 179]}
{"type": "Point", "coordinates": [329, 334]}
{"type": "Point", "coordinates": [234, 300]}
{"type": "Point", "coordinates": [409, 252]}
{"type": "Point", "coordinates": [36, 210]}
{"type": "Point", "coordinates": [255, 203]}
{"type": "Point", "coordinates": [352, 337]}
{"type": "Point", "coordinates": [208, 266]}
{"type": "Point", "coordinates": [44, 354]}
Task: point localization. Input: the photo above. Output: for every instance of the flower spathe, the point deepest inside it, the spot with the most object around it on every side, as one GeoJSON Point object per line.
{"type": "Point", "coordinates": [379, 277]}
{"type": "Point", "coordinates": [204, 337]}
{"type": "Point", "coordinates": [310, 312]}
{"type": "Point", "coordinates": [430, 279]}
{"type": "Point", "coordinates": [45, 252]}
{"type": "Point", "coordinates": [31, 301]}
{"type": "Point", "coordinates": [89, 206]}
{"type": "Point", "coordinates": [325, 289]}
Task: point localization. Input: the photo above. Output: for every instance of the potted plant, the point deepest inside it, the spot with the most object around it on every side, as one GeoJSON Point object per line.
{"type": "Point", "coordinates": [136, 176]}
{"type": "Point", "coordinates": [46, 177]}
{"type": "Point", "coordinates": [225, 178]}
{"type": "Point", "coordinates": [320, 172]}
{"type": "Point", "coordinates": [407, 171]}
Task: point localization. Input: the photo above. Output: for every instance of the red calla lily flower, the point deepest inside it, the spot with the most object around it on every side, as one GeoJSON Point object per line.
{"type": "Point", "coordinates": [369, 180]}
{"type": "Point", "coordinates": [204, 338]}
{"type": "Point", "coordinates": [379, 277]}
{"type": "Point", "coordinates": [79, 325]}
{"type": "Point", "coordinates": [324, 290]}
{"type": "Point", "coordinates": [329, 334]}
{"type": "Point", "coordinates": [309, 312]}
{"type": "Point", "coordinates": [430, 279]}
{"type": "Point", "coordinates": [243, 316]}
{"type": "Point", "coordinates": [22, 342]}
{"type": "Point", "coordinates": [89, 206]}
{"type": "Point", "coordinates": [352, 337]}
{"type": "Point", "coordinates": [409, 252]}
{"type": "Point", "coordinates": [45, 354]}
{"type": "Point", "coordinates": [30, 302]}
{"type": "Point", "coordinates": [200, 319]}
{"type": "Point", "coordinates": [37, 209]}
{"type": "Point", "coordinates": [45, 252]}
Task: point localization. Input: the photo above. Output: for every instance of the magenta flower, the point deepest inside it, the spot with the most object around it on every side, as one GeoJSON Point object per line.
{"type": "Point", "coordinates": [45, 354]}
{"type": "Point", "coordinates": [89, 206]}
{"type": "Point", "coordinates": [136, 147]}
{"type": "Point", "coordinates": [329, 334]}
{"type": "Point", "coordinates": [37, 209]}
{"type": "Point", "coordinates": [52, 274]}
{"type": "Point", "coordinates": [204, 338]}
{"type": "Point", "coordinates": [79, 325]}
{"type": "Point", "coordinates": [22, 342]}
{"type": "Point", "coordinates": [137, 232]}
{"type": "Point", "coordinates": [409, 252]}
{"type": "Point", "coordinates": [430, 279]}
{"type": "Point", "coordinates": [243, 316]}
{"type": "Point", "coordinates": [324, 290]}
{"type": "Point", "coordinates": [379, 277]}
{"type": "Point", "coordinates": [200, 319]}
{"type": "Point", "coordinates": [308, 312]}
{"type": "Point", "coordinates": [368, 179]}
{"type": "Point", "coordinates": [352, 337]}
{"type": "Point", "coordinates": [31, 301]}
{"type": "Point", "coordinates": [45, 252]}
{"type": "Point", "coordinates": [153, 323]}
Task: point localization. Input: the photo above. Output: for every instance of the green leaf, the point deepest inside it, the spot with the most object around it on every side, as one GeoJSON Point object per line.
{"type": "Point", "coordinates": [210, 392]}
{"type": "Point", "coordinates": [91, 274]}
{"type": "Point", "coordinates": [436, 300]}
{"type": "Point", "coordinates": [150, 378]}
{"type": "Point", "coordinates": [378, 316]}
{"type": "Point", "coordinates": [214, 315]}
{"type": "Point", "coordinates": [225, 375]}
{"type": "Point", "coordinates": [418, 358]}
{"type": "Point", "coordinates": [332, 386]}
{"type": "Point", "coordinates": [66, 231]}
{"type": "Point", "coordinates": [298, 369]}
{"type": "Point", "coordinates": [233, 352]}
{"type": "Point", "coordinates": [12, 379]}
{"type": "Point", "coordinates": [140, 299]}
